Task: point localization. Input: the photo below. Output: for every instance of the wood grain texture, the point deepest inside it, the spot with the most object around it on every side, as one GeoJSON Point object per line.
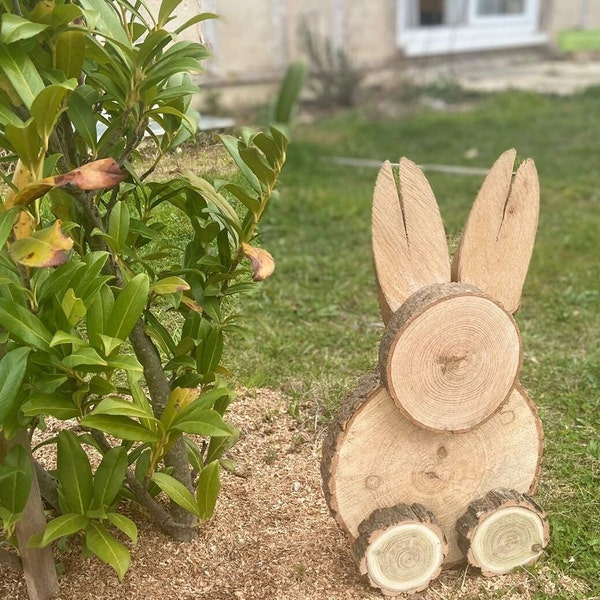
{"type": "Point", "coordinates": [367, 385]}
{"type": "Point", "coordinates": [450, 357]}
{"type": "Point", "coordinates": [409, 243]}
{"type": "Point", "coordinates": [448, 420]}
{"type": "Point", "coordinates": [401, 548]}
{"type": "Point", "coordinates": [497, 242]}
{"type": "Point", "coordinates": [373, 457]}
{"type": "Point", "coordinates": [503, 530]}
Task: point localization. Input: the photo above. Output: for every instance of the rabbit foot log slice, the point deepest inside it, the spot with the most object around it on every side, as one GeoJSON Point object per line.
{"type": "Point", "coordinates": [400, 548]}
{"type": "Point", "coordinates": [373, 457]}
{"type": "Point", "coordinates": [503, 530]}
{"type": "Point", "coordinates": [450, 356]}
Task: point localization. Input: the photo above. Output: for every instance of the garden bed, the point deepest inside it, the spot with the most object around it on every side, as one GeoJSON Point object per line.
{"type": "Point", "coordinates": [271, 536]}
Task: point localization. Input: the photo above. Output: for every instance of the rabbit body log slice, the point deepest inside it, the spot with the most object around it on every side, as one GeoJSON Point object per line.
{"type": "Point", "coordinates": [445, 423]}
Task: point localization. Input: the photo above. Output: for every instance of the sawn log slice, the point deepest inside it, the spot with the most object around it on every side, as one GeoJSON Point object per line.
{"type": "Point", "coordinates": [373, 457]}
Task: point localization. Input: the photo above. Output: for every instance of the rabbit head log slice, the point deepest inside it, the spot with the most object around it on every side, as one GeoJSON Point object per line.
{"type": "Point", "coordinates": [451, 352]}
{"type": "Point", "coordinates": [446, 421]}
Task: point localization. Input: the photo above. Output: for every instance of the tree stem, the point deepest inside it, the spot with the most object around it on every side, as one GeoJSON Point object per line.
{"type": "Point", "coordinates": [181, 530]}
{"type": "Point", "coordinates": [48, 487]}
{"type": "Point", "coordinates": [149, 357]}
{"type": "Point", "coordinates": [8, 559]}
{"type": "Point", "coordinates": [38, 564]}
{"type": "Point", "coordinates": [177, 530]}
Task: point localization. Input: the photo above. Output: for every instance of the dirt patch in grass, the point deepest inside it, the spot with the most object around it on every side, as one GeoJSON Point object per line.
{"type": "Point", "coordinates": [203, 156]}
{"type": "Point", "coordinates": [271, 538]}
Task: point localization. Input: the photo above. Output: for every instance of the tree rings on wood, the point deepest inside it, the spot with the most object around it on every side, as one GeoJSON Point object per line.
{"type": "Point", "coordinates": [503, 530]}
{"type": "Point", "coordinates": [450, 357]}
{"type": "Point", "coordinates": [373, 457]}
{"type": "Point", "coordinates": [400, 548]}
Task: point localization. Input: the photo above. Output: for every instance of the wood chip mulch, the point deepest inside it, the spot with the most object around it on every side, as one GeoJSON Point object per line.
{"type": "Point", "coordinates": [272, 536]}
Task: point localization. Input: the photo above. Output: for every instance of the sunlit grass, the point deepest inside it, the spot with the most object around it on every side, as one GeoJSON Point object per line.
{"type": "Point", "coordinates": [315, 325]}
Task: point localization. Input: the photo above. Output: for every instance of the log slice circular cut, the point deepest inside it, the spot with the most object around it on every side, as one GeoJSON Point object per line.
{"type": "Point", "coordinates": [450, 356]}
{"type": "Point", "coordinates": [373, 457]}
{"type": "Point", "coordinates": [503, 530]}
{"type": "Point", "coordinates": [401, 548]}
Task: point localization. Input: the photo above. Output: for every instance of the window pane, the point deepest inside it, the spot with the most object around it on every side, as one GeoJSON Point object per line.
{"type": "Point", "coordinates": [500, 7]}
{"type": "Point", "coordinates": [441, 12]}
{"type": "Point", "coordinates": [431, 12]}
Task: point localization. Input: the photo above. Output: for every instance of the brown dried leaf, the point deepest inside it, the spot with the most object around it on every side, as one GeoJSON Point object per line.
{"type": "Point", "coordinates": [104, 173]}
{"type": "Point", "coordinates": [95, 175]}
{"type": "Point", "coordinates": [191, 304]}
{"type": "Point", "coordinates": [263, 264]}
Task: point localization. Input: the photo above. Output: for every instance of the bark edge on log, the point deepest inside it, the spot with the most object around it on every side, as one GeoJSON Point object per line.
{"type": "Point", "coordinates": [450, 357]}
{"type": "Point", "coordinates": [514, 522]}
{"type": "Point", "coordinates": [400, 549]}
{"type": "Point", "coordinates": [365, 387]}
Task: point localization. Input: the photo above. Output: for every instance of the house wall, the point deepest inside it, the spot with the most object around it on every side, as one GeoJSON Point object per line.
{"type": "Point", "coordinates": [254, 40]}
{"type": "Point", "coordinates": [258, 38]}
{"type": "Point", "coordinates": [576, 14]}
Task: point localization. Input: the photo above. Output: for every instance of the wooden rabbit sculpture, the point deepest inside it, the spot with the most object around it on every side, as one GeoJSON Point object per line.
{"type": "Point", "coordinates": [432, 460]}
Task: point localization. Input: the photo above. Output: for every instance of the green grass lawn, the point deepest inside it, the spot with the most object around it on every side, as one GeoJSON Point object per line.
{"type": "Point", "coordinates": [315, 323]}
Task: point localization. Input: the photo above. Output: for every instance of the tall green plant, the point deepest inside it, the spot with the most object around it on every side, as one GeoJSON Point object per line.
{"type": "Point", "coordinates": [333, 79]}
{"type": "Point", "coordinates": [282, 110]}
{"type": "Point", "coordinates": [88, 271]}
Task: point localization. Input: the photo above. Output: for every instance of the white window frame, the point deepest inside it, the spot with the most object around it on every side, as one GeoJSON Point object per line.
{"type": "Point", "coordinates": [487, 32]}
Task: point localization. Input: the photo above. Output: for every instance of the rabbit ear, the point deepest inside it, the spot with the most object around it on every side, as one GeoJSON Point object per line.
{"type": "Point", "coordinates": [497, 242]}
{"type": "Point", "coordinates": [409, 242]}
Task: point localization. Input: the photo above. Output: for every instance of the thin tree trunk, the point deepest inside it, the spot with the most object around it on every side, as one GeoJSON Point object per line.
{"type": "Point", "coordinates": [38, 563]}
{"type": "Point", "coordinates": [156, 379]}
{"type": "Point", "coordinates": [159, 389]}
{"type": "Point", "coordinates": [48, 487]}
{"type": "Point", "coordinates": [8, 559]}
{"type": "Point", "coordinates": [178, 530]}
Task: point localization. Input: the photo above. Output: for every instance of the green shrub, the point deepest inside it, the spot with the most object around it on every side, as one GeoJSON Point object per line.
{"type": "Point", "coordinates": [88, 271]}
